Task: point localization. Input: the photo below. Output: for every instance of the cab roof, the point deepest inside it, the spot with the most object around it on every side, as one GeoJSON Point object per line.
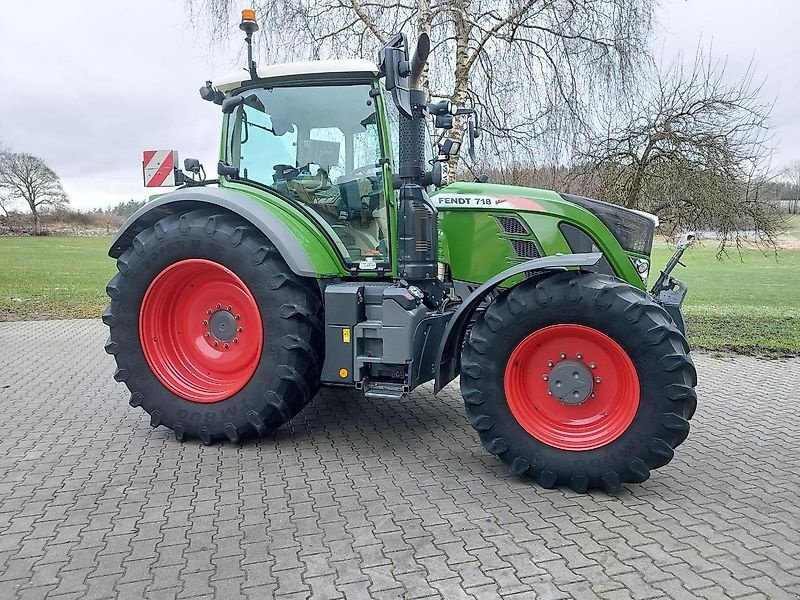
{"type": "Point", "coordinates": [356, 66]}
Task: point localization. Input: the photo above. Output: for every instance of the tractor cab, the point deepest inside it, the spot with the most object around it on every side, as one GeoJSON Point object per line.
{"type": "Point", "coordinates": [311, 132]}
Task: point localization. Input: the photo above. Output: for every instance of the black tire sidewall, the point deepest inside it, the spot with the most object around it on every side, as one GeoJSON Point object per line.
{"type": "Point", "coordinates": [560, 302]}
{"type": "Point", "coordinates": [167, 245]}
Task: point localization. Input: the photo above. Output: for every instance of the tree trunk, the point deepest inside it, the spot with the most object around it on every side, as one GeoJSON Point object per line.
{"type": "Point", "coordinates": [424, 21]}
{"type": "Point", "coordinates": [37, 223]}
{"type": "Point", "coordinates": [461, 86]}
{"type": "Point", "coordinates": [632, 199]}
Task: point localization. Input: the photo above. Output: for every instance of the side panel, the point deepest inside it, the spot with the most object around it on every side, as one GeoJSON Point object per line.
{"type": "Point", "coordinates": [479, 249]}
{"type": "Point", "coordinates": [306, 250]}
{"type": "Point", "coordinates": [474, 247]}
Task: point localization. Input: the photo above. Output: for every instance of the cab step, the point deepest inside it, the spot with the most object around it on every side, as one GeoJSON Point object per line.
{"type": "Point", "coordinates": [384, 390]}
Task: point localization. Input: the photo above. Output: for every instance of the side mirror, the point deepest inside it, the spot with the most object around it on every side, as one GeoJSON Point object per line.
{"type": "Point", "coordinates": [395, 67]}
{"type": "Point", "coordinates": [476, 130]}
{"type": "Point", "coordinates": [192, 165]}
{"type": "Point", "coordinates": [230, 103]}
{"type": "Point", "coordinates": [473, 127]}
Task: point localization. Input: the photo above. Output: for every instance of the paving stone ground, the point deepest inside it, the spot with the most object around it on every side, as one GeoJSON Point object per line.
{"type": "Point", "coordinates": [375, 499]}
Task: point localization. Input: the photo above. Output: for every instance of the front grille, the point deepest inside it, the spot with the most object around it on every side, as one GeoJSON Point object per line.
{"type": "Point", "coordinates": [525, 248]}
{"type": "Point", "coordinates": [512, 226]}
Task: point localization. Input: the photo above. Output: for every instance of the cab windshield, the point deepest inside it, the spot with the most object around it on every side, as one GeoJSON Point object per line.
{"type": "Point", "coordinates": [318, 145]}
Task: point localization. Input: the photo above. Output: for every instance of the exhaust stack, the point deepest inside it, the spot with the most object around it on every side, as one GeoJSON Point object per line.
{"type": "Point", "coordinates": [417, 218]}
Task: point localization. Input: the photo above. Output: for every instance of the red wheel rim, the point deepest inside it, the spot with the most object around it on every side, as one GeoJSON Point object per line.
{"type": "Point", "coordinates": [602, 417]}
{"type": "Point", "coordinates": [201, 330]}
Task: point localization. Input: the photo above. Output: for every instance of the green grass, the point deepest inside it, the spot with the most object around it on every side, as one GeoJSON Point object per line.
{"type": "Point", "coordinates": [53, 277]}
{"type": "Point", "coordinates": [749, 304]}
{"type": "Point", "coordinates": [793, 227]}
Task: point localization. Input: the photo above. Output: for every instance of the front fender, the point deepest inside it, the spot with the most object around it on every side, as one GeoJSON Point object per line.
{"type": "Point", "coordinates": [448, 361]}
{"type": "Point", "coordinates": [292, 251]}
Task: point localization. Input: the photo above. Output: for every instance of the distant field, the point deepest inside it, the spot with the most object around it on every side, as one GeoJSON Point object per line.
{"type": "Point", "coordinates": [749, 304]}
{"type": "Point", "coordinates": [53, 277]}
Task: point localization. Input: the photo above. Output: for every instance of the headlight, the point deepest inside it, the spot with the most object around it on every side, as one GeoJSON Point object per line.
{"type": "Point", "coordinates": [642, 266]}
{"type": "Point", "coordinates": [633, 229]}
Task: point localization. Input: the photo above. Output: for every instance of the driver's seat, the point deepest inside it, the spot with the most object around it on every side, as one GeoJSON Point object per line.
{"type": "Point", "coordinates": [351, 195]}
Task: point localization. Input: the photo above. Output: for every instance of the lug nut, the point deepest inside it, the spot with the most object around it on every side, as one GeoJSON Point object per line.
{"type": "Point", "coordinates": [225, 346]}
{"type": "Point", "coordinates": [216, 344]}
{"type": "Point", "coordinates": [219, 306]}
{"type": "Point", "coordinates": [235, 340]}
{"type": "Point", "coordinates": [205, 322]}
{"type": "Point", "coordinates": [563, 355]}
{"type": "Point", "coordinates": [229, 308]}
{"type": "Point", "coordinates": [597, 380]}
{"type": "Point", "coordinates": [592, 366]}
{"type": "Point", "coordinates": [206, 334]}
{"type": "Point", "coordinates": [239, 329]}
{"type": "Point", "coordinates": [593, 394]}
{"type": "Point", "coordinates": [545, 377]}
{"type": "Point", "coordinates": [549, 363]}
{"type": "Point", "coordinates": [579, 355]}
{"type": "Point", "coordinates": [549, 393]}
{"type": "Point", "coordinates": [208, 312]}
{"type": "Point", "coordinates": [236, 317]}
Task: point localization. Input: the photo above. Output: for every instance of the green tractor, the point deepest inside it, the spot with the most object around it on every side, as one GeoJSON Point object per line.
{"type": "Point", "coordinates": [328, 252]}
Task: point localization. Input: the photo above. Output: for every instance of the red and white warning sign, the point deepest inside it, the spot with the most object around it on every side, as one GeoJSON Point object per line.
{"type": "Point", "coordinates": [159, 167]}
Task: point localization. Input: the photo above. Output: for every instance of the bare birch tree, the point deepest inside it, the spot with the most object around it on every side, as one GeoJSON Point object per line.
{"type": "Point", "coordinates": [535, 68]}
{"type": "Point", "coordinates": [24, 177]}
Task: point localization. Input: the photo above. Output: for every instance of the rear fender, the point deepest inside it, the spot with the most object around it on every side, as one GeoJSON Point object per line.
{"type": "Point", "coordinates": [268, 223]}
{"type": "Point", "coordinates": [448, 362]}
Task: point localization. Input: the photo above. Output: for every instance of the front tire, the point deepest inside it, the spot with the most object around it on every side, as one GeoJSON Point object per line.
{"type": "Point", "coordinates": [578, 379]}
{"type": "Point", "coordinates": [212, 333]}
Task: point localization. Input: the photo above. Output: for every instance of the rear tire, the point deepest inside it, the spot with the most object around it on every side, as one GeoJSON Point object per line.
{"type": "Point", "coordinates": [629, 427]}
{"type": "Point", "coordinates": [166, 354]}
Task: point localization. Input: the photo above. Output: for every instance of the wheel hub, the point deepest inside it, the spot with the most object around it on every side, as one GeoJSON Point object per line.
{"type": "Point", "coordinates": [571, 386]}
{"type": "Point", "coordinates": [570, 381]}
{"type": "Point", "coordinates": [222, 325]}
{"type": "Point", "coordinates": [201, 330]}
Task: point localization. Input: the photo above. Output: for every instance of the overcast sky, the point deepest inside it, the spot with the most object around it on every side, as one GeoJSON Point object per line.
{"type": "Point", "coordinates": [87, 85]}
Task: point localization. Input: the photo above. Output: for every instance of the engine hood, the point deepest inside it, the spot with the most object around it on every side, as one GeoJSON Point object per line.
{"type": "Point", "coordinates": [467, 194]}
{"type": "Point", "coordinates": [490, 196]}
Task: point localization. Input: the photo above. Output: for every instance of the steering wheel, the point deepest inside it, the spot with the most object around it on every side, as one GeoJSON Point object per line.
{"type": "Point", "coordinates": [287, 172]}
